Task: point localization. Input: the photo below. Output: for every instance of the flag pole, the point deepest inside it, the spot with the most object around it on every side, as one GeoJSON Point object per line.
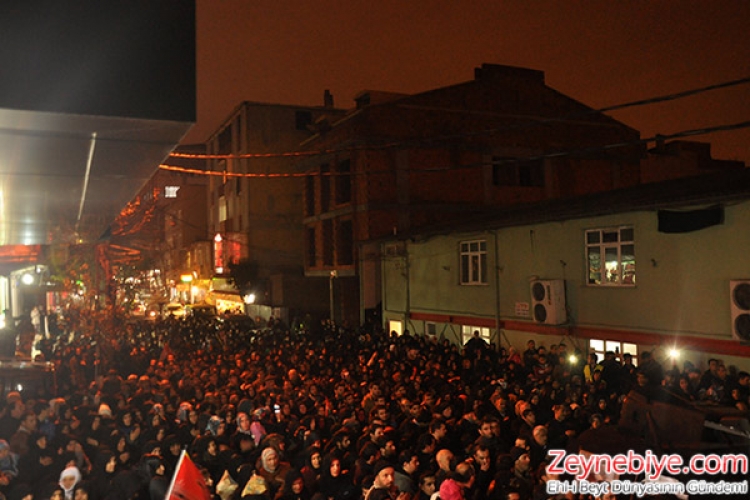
{"type": "Point", "coordinates": [174, 474]}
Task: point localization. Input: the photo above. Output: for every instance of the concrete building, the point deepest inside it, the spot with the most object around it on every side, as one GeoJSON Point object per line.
{"type": "Point", "coordinates": [400, 162]}
{"type": "Point", "coordinates": [255, 200]}
{"type": "Point", "coordinates": [655, 267]}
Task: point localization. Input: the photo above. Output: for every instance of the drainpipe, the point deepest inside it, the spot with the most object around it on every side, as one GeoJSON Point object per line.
{"type": "Point", "coordinates": [497, 292]}
{"type": "Point", "coordinates": [407, 312]}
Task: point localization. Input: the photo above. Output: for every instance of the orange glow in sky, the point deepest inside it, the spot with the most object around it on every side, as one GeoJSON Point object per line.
{"type": "Point", "coordinates": [598, 52]}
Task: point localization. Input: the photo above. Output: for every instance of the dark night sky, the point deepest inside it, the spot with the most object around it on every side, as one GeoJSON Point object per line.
{"type": "Point", "coordinates": [600, 52]}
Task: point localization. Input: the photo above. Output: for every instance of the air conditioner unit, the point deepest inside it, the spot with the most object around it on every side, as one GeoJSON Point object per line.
{"type": "Point", "coordinates": [548, 302]}
{"type": "Point", "coordinates": [739, 301]}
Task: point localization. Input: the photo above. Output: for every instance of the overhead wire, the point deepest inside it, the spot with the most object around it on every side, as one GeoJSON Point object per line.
{"type": "Point", "coordinates": [556, 154]}
{"type": "Point", "coordinates": [528, 124]}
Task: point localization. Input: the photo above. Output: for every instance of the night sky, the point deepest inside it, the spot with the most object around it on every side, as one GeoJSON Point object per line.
{"type": "Point", "coordinates": [599, 52]}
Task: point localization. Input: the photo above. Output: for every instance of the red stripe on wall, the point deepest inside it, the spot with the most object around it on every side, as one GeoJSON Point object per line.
{"type": "Point", "coordinates": [716, 346]}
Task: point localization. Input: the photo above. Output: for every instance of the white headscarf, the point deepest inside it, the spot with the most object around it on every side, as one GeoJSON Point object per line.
{"type": "Point", "coordinates": [70, 471]}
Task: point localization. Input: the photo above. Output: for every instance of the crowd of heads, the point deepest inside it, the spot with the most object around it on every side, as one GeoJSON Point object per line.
{"type": "Point", "coordinates": [319, 412]}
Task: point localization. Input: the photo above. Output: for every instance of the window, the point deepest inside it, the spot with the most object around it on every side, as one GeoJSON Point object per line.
{"type": "Point", "coordinates": [222, 209]}
{"type": "Point", "coordinates": [309, 195]}
{"type": "Point", "coordinates": [514, 172]}
{"type": "Point", "coordinates": [430, 329]}
{"type": "Point", "coordinates": [224, 142]}
{"type": "Point", "coordinates": [396, 326]}
{"type": "Point", "coordinates": [345, 243]}
{"type": "Point", "coordinates": [311, 256]}
{"type": "Point", "coordinates": [467, 332]}
{"type": "Point", "coordinates": [328, 242]}
{"type": "Point", "coordinates": [171, 191]}
{"type": "Point", "coordinates": [611, 256]}
{"type": "Point", "coordinates": [325, 187]}
{"type": "Point", "coordinates": [474, 262]}
{"type": "Point", "coordinates": [302, 119]}
{"type": "Point", "coordinates": [619, 348]}
{"type": "Point", "coordinates": [343, 182]}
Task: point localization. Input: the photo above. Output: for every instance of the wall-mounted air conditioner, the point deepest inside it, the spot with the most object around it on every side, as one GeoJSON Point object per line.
{"type": "Point", "coordinates": [548, 302]}
{"type": "Point", "coordinates": [739, 303]}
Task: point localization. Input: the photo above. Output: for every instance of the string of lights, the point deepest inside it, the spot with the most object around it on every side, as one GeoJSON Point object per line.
{"type": "Point", "coordinates": [533, 123]}
{"type": "Point", "coordinates": [557, 154]}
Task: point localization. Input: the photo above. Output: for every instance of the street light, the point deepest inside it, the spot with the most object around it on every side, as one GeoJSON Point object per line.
{"type": "Point", "coordinates": [187, 279]}
{"type": "Point", "coordinates": [334, 275]}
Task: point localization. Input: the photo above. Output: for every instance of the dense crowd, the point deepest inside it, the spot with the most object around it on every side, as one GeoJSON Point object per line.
{"type": "Point", "coordinates": [312, 412]}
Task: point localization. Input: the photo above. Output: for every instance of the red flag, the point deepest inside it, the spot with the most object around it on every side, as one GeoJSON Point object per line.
{"type": "Point", "coordinates": [187, 482]}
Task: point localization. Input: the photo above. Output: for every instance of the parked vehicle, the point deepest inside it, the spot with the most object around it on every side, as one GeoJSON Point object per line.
{"type": "Point", "coordinates": [201, 311]}
{"type": "Point", "coordinates": [30, 377]}
{"type": "Point", "coordinates": [174, 310]}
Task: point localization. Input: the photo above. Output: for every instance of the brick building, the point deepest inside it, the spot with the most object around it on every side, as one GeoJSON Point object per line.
{"type": "Point", "coordinates": [398, 162]}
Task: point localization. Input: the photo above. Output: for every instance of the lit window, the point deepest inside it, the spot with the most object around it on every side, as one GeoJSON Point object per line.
{"type": "Point", "coordinates": [171, 191]}
{"type": "Point", "coordinates": [467, 332]}
{"type": "Point", "coordinates": [610, 254]}
{"type": "Point", "coordinates": [600, 347]}
{"type": "Point", "coordinates": [396, 326]}
{"type": "Point", "coordinates": [222, 209]}
{"type": "Point", "coordinates": [474, 262]}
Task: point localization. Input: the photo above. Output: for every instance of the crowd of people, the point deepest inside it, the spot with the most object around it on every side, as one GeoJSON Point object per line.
{"type": "Point", "coordinates": [312, 413]}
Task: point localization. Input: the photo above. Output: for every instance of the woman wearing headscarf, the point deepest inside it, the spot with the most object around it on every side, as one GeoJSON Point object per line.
{"type": "Point", "coordinates": [170, 452]}
{"type": "Point", "coordinates": [96, 433]}
{"type": "Point", "coordinates": [312, 469]}
{"type": "Point", "coordinates": [294, 487]}
{"type": "Point", "coordinates": [51, 492]}
{"type": "Point", "coordinates": [205, 452]}
{"type": "Point", "coordinates": [122, 450]}
{"type": "Point", "coordinates": [257, 429]}
{"type": "Point", "coordinates": [335, 483]}
{"type": "Point", "coordinates": [103, 474]}
{"type": "Point", "coordinates": [38, 466]}
{"type": "Point", "coordinates": [69, 478]}
{"type": "Point", "coordinates": [84, 491]}
{"type": "Point", "coordinates": [272, 469]}
{"type": "Point", "coordinates": [21, 491]}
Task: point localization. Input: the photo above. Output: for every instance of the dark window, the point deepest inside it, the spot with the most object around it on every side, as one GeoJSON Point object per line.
{"type": "Point", "coordinates": [309, 195]}
{"type": "Point", "coordinates": [238, 130]}
{"type": "Point", "coordinates": [328, 242]}
{"type": "Point", "coordinates": [325, 187]}
{"type": "Point", "coordinates": [344, 182]}
{"type": "Point", "coordinates": [345, 243]}
{"type": "Point", "coordinates": [302, 119]}
{"type": "Point", "coordinates": [311, 257]}
{"type": "Point", "coordinates": [224, 142]}
{"type": "Point", "coordinates": [521, 173]}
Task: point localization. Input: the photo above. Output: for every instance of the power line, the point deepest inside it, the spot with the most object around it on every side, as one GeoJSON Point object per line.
{"type": "Point", "coordinates": [534, 123]}
{"type": "Point", "coordinates": [556, 154]}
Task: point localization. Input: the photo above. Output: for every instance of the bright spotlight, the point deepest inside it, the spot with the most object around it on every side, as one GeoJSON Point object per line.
{"type": "Point", "coordinates": [572, 359]}
{"type": "Point", "coordinates": [249, 298]}
{"type": "Point", "coordinates": [27, 279]}
{"type": "Point", "coordinates": [674, 353]}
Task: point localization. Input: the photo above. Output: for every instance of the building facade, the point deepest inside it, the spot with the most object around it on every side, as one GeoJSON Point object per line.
{"type": "Point", "coordinates": [652, 267]}
{"type": "Point", "coordinates": [255, 198]}
{"type": "Point", "coordinates": [400, 162]}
